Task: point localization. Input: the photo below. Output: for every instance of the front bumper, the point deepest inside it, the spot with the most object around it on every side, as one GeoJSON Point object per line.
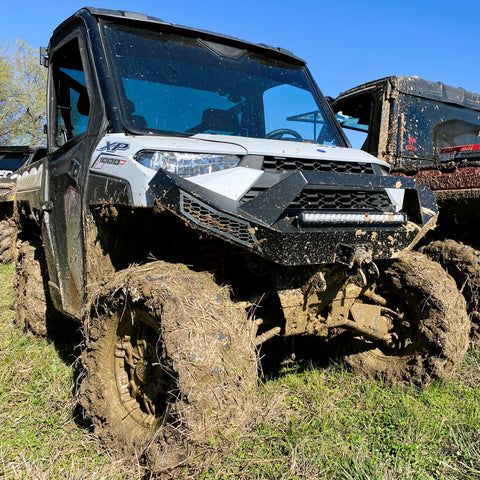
{"type": "Point", "coordinates": [269, 222]}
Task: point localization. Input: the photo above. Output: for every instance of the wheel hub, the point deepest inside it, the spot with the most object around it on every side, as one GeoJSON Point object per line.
{"type": "Point", "coordinates": [143, 371]}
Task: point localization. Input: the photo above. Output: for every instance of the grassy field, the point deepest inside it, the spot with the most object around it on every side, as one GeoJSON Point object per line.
{"type": "Point", "coordinates": [318, 423]}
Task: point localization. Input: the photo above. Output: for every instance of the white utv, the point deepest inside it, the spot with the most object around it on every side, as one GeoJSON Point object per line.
{"type": "Point", "coordinates": [198, 198]}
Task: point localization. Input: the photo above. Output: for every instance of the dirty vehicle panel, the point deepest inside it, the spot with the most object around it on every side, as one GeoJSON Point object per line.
{"type": "Point", "coordinates": [12, 158]}
{"type": "Point", "coordinates": [172, 146]}
{"type": "Point", "coordinates": [422, 128]}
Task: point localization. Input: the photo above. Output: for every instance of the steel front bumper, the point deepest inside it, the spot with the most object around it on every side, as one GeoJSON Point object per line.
{"type": "Point", "coordinates": [273, 223]}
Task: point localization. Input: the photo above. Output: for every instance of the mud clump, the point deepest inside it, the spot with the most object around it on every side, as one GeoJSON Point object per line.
{"type": "Point", "coordinates": [435, 330]}
{"type": "Point", "coordinates": [462, 262]}
{"type": "Point", "coordinates": [31, 303]}
{"type": "Point", "coordinates": [170, 365]}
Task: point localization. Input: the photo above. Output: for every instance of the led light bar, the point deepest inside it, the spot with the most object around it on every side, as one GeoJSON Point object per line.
{"type": "Point", "coordinates": [353, 218]}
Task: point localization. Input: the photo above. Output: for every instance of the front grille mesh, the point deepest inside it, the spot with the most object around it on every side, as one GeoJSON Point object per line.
{"type": "Point", "coordinates": [312, 199]}
{"type": "Point", "coordinates": [219, 222]}
{"type": "Point", "coordinates": [278, 164]}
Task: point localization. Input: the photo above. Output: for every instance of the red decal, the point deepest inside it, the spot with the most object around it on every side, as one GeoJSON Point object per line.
{"type": "Point", "coordinates": [411, 146]}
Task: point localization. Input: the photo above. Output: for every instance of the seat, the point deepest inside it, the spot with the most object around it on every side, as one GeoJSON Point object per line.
{"type": "Point", "coordinates": [216, 120]}
{"type": "Point", "coordinates": [137, 121]}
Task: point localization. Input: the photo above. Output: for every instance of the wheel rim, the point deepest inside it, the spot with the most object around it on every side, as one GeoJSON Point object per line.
{"type": "Point", "coordinates": [403, 331]}
{"type": "Point", "coordinates": [143, 381]}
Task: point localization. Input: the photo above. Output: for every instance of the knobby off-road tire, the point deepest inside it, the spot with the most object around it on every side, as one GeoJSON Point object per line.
{"type": "Point", "coordinates": [32, 305]}
{"type": "Point", "coordinates": [7, 231]}
{"type": "Point", "coordinates": [430, 319]}
{"type": "Point", "coordinates": [169, 364]}
{"type": "Point", "coordinates": [462, 262]}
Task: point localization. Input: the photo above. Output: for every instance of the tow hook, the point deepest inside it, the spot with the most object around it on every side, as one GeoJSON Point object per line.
{"type": "Point", "coordinates": [315, 284]}
{"type": "Point", "coordinates": [366, 269]}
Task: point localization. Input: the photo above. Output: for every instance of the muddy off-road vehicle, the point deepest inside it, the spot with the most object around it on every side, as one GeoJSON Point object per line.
{"type": "Point", "coordinates": [430, 131]}
{"type": "Point", "coordinates": [198, 198]}
{"type": "Point", "coordinates": [11, 159]}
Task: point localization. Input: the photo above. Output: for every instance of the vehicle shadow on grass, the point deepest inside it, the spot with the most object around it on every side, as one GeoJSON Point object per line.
{"type": "Point", "coordinates": [281, 355]}
{"type": "Point", "coordinates": [67, 338]}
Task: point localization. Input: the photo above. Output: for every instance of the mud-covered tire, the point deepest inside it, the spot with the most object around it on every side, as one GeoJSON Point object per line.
{"type": "Point", "coordinates": [7, 231]}
{"type": "Point", "coordinates": [435, 336]}
{"type": "Point", "coordinates": [169, 364]}
{"type": "Point", "coordinates": [31, 300]}
{"type": "Point", "coordinates": [462, 262]}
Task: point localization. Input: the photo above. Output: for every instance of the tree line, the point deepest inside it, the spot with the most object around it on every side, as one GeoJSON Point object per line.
{"type": "Point", "coordinates": [22, 95]}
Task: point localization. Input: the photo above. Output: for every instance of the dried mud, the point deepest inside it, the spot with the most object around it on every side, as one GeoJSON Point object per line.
{"type": "Point", "coordinates": [7, 232]}
{"type": "Point", "coordinates": [205, 345]}
{"type": "Point", "coordinates": [441, 335]}
{"type": "Point", "coordinates": [462, 262]}
{"type": "Point", "coordinates": [458, 180]}
{"type": "Point", "coordinates": [30, 301]}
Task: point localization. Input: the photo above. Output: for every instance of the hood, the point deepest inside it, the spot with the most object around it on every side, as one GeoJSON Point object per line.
{"type": "Point", "coordinates": [262, 146]}
{"type": "Point", "coordinates": [233, 145]}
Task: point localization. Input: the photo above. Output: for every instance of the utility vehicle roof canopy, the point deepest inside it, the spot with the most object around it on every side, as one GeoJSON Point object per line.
{"type": "Point", "coordinates": [135, 18]}
{"type": "Point", "coordinates": [422, 88]}
{"type": "Point", "coordinates": [407, 121]}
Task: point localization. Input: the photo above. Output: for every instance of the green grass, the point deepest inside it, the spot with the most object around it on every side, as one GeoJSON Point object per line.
{"type": "Point", "coordinates": [39, 438]}
{"type": "Point", "coordinates": [332, 424]}
{"type": "Point", "coordinates": [317, 423]}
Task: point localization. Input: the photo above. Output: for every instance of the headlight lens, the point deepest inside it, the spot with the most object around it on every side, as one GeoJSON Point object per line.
{"type": "Point", "coordinates": [186, 164]}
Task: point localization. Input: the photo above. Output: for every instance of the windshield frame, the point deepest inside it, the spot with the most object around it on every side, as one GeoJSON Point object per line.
{"type": "Point", "coordinates": [228, 44]}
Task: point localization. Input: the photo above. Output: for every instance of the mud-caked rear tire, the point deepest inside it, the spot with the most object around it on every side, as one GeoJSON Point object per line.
{"type": "Point", "coordinates": [430, 320]}
{"type": "Point", "coordinates": [169, 364]}
{"type": "Point", "coordinates": [32, 305]}
{"type": "Point", "coordinates": [7, 231]}
{"type": "Point", "coordinates": [462, 262]}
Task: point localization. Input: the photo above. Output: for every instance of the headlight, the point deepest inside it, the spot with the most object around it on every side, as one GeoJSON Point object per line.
{"type": "Point", "coordinates": [186, 164]}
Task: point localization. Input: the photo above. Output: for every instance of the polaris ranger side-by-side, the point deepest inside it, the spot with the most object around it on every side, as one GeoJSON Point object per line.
{"type": "Point", "coordinates": [198, 198]}
{"type": "Point", "coordinates": [430, 131]}
{"type": "Point", "coordinates": [12, 158]}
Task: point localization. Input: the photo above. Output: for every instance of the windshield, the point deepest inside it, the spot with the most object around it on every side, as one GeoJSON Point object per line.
{"type": "Point", "coordinates": [178, 85]}
{"type": "Point", "coordinates": [9, 162]}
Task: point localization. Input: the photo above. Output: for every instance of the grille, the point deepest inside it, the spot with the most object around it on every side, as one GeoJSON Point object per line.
{"type": "Point", "coordinates": [275, 164]}
{"type": "Point", "coordinates": [218, 222]}
{"type": "Point", "coordinates": [341, 200]}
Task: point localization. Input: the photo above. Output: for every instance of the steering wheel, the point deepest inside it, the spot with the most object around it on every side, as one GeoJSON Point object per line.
{"type": "Point", "coordinates": [280, 132]}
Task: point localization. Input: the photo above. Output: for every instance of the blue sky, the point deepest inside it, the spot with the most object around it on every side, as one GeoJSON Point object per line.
{"type": "Point", "coordinates": [344, 42]}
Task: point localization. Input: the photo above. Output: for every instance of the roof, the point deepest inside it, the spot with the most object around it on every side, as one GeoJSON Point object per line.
{"type": "Point", "coordinates": [423, 88]}
{"type": "Point", "coordinates": [140, 18]}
